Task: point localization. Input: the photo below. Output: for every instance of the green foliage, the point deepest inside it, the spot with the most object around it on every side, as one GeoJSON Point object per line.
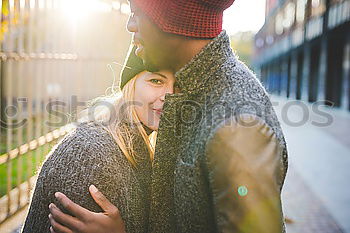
{"type": "Point", "coordinates": [243, 44]}
{"type": "Point", "coordinates": [32, 158]}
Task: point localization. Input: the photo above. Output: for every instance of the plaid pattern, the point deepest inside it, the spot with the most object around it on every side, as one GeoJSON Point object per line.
{"type": "Point", "coordinates": [193, 18]}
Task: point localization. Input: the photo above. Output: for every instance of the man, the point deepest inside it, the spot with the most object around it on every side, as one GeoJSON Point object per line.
{"type": "Point", "coordinates": [221, 157]}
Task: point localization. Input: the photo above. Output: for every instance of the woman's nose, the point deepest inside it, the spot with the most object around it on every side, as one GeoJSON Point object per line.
{"type": "Point", "coordinates": [167, 90]}
{"type": "Point", "coordinates": [170, 89]}
{"type": "Point", "coordinates": [132, 24]}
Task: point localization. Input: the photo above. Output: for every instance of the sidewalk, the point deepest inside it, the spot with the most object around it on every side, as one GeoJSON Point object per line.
{"type": "Point", "coordinates": [316, 195]}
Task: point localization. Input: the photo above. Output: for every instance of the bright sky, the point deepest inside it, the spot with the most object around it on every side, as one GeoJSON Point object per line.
{"type": "Point", "coordinates": [244, 15]}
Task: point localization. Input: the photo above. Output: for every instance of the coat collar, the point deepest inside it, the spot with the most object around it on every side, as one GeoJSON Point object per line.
{"type": "Point", "coordinates": [193, 76]}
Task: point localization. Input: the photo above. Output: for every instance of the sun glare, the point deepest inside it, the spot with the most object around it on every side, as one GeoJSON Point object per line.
{"type": "Point", "coordinates": [79, 9]}
{"type": "Point", "coordinates": [241, 16]}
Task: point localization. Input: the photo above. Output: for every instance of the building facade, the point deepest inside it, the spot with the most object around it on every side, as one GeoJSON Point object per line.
{"type": "Point", "coordinates": [302, 51]}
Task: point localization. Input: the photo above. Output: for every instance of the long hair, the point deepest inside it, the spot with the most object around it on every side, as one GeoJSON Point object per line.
{"type": "Point", "coordinates": [118, 115]}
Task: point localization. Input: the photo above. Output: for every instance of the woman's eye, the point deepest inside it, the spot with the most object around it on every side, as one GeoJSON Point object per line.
{"type": "Point", "coordinates": [155, 81]}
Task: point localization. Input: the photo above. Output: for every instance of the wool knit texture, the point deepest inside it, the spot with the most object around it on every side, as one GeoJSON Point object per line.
{"type": "Point", "coordinates": [215, 86]}
{"type": "Point", "coordinates": [90, 155]}
{"type": "Point", "coordinates": [193, 18]}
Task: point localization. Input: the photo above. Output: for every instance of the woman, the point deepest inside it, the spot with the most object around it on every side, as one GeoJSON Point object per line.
{"type": "Point", "coordinates": [113, 151]}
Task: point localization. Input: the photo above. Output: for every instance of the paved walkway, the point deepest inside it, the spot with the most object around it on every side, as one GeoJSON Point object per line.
{"type": "Point", "coordinates": [316, 196]}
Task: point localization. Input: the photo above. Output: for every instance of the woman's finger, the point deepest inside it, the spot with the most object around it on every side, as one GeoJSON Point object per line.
{"type": "Point", "coordinates": [103, 202]}
{"type": "Point", "coordinates": [56, 227]}
{"type": "Point", "coordinates": [63, 219]}
{"type": "Point", "coordinates": [74, 209]}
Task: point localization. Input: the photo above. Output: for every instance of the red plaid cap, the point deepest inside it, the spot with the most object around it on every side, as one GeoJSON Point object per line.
{"type": "Point", "coordinates": [193, 18]}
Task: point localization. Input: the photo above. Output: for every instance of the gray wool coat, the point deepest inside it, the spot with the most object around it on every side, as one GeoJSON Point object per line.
{"type": "Point", "coordinates": [90, 155]}
{"type": "Point", "coordinates": [221, 157]}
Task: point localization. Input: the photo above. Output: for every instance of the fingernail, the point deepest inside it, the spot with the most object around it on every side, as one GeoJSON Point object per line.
{"type": "Point", "coordinates": [93, 188]}
{"type": "Point", "coordinates": [57, 195]}
{"type": "Point", "coordinates": [52, 206]}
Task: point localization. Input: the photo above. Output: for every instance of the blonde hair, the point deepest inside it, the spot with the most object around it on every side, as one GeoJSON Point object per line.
{"type": "Point", "coordinates": [122, 119]}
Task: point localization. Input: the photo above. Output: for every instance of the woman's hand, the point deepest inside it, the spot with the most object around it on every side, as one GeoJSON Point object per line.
{"type": "Point", "coordinates": [85, 221]}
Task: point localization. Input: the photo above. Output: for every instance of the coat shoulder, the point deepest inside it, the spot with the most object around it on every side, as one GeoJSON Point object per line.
{"type": "Point", "coordinates": [89, 144]}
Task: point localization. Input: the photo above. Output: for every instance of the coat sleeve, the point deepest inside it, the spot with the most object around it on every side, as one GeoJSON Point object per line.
{"type": "Point", "coordinates": [244, 162]}
{"type": "Point", "coordinates": [82, 158]}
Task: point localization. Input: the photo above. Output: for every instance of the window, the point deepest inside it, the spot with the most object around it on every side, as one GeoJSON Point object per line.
{"type": "Point", "coordinates": [289, 15]}
{"type": "Point", "coordinates": [318, 7]}
{"type": "Point", "coordinates": [279, 24]}
{"type": "Point", "coordinates": [300, 11]}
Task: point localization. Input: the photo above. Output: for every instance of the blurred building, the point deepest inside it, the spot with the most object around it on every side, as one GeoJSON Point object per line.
{"type": "Point", "coordinates": [302, 51]}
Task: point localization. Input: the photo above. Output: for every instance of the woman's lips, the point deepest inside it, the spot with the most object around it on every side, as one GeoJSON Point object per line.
{"type": "Point", "coordinates": [158, 111]}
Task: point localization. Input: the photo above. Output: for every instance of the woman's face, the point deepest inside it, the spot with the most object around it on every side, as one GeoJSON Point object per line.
{"type": "Point", "coordinates": [150, 90]}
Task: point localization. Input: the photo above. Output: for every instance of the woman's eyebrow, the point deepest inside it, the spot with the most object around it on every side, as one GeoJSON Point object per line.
{"type": "Point", "coordinates": [160, 75]}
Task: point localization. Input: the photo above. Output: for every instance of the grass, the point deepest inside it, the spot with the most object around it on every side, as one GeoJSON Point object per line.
{"type": "Point", "coordinates": [32, 158]}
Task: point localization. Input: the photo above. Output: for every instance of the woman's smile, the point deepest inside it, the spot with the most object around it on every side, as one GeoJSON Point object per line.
{"type": "Point", "coordinates": [150, 91]}
{"type": "Point", "coordinates": [158, 111]}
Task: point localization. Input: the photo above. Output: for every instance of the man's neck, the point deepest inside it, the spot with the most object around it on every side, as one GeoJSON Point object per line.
{"type": "Point", "coordinates": [186, 50]}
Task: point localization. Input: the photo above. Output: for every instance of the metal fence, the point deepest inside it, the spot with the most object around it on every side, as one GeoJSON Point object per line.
{"type": "Point", "coordinates": [54, 57]}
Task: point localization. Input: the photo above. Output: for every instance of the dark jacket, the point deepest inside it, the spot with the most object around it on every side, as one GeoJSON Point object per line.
{"type": "Point", "coordinates": [90, 155]}
{"type": "Point", "coordinates": [221, 157]}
